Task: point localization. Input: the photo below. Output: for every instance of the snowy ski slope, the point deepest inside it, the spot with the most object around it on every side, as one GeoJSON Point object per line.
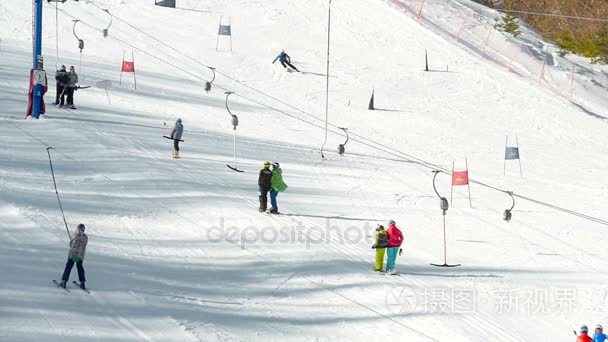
{"type": "Point", "coordinates": [177, 250]}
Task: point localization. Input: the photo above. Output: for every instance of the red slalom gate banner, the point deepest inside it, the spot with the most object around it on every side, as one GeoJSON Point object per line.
{"type": "Point", "coordinates": [460, 178]}
{"type": "Point", "coordinates": [128, 66]}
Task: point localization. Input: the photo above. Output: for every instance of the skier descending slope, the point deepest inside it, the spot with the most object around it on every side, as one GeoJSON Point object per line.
{"type": "Point", "coordinates": [264, 183]}
{"type": "Point", "coordinates": [599, 335]}
{"type": "Point", "coordinates": [285, 60]}
{"type": "Point", "coordinates": [395, 239]}
{"type": "Point", "coordinates": [583, 337]}
{"type": "Point", "coordinates": [78, 247]}
{"type": "Point", "coordinates": [176, 135]}
{"type": "Point", "coordinates": [277, 185]}
{"type": "Point", "coordinates": [380, 246]}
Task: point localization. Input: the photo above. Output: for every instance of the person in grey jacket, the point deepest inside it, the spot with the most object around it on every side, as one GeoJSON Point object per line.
{"type": "Point", "coordinates": [78, 247]}
{"type": "Point", "coordinates": [71, 86]}
{"type": "Point", "coordinates": [176, 135]}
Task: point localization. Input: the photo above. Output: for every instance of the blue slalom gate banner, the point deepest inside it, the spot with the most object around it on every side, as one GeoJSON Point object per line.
{"type": "Point", "coordinates": [511, 153]}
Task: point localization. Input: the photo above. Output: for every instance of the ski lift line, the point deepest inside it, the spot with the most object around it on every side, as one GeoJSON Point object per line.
{"type": "Point", "coordinates": [238, 244]}
{"type": "Point", "coordinates": [372, 144]}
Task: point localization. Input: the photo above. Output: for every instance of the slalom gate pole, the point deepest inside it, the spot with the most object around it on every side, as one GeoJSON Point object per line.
{"type": "Point", "coordinates": [57, 193]}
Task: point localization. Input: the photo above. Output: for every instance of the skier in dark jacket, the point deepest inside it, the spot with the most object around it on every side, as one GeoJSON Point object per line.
{"type": "Point", "coordinates": [78, 247]}
{"type": "Point", "coordinates": [176, 135]}
{"type": "Point", "coordinates": [264, 184]}
{"type": "Point", "coordinates": [285, 60]}
{"type": "Point", "coordinates": [71, 86]}
{"type": "Point", "coordinates": [61, 78]}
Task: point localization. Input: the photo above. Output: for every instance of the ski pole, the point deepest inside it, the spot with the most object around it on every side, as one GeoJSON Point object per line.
{"type": "Point", "coordinates": [57, 193]}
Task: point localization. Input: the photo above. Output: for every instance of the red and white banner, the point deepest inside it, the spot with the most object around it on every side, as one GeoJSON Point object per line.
{"type": "Point", "coordinates": [128, 66]}
{"type": "Point", "coordinates": [460, 178]}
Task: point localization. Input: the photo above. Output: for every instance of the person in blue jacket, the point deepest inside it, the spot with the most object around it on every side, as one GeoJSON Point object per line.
{"type": "Point", "coordinates": [599, 335]}
{"type": "Point", "coordinates": [285, 60]}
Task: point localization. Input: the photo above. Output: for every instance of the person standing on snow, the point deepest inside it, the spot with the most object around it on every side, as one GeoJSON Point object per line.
{"type": "Point", "coordinates": [380, 246]}
{"type": "Point", "coordinates": [395, 239]}
{"type": "Point", "coordinates": [78, 247]}
{"type": "Point", "coordinates": [71, 86]}
{"type": "Point", "coordinates": [583, 337]}
{"type": "Point", "coordinates": [599, 335]}
{"type": "Point", "coordinates": [61, 78]}
{"type": "Point", "coordinates": [276, 185]}
{"type": "Point", "coordinates": [176, 135]}
{"type": "Point", "coordinates": [264, 185]}
{"type": "Point", "coordinates": [285, 60]}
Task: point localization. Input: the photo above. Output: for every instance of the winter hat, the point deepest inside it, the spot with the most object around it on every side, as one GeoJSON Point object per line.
{"type": "Point", "coordinates": [267, 164]}
{"type": "Point", "coordinates": [583, 329]}
{"type": "Point", "coordinates": [380, 227]}
{"type": "Point", "coordinates": [179, 120]}
{"type": "Point", "coordinates": [391, 222]}
{"type": "Point", "coordinates": [81, 227]}
{"type": "Point", "coordinates": [63, 67]}
{"type": "Point", "coordinates": [599, 326]}
{"type": "Point", "coordinates": [275, 164]}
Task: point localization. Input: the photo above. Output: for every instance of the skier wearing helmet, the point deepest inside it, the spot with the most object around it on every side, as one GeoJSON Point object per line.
{"type": "Point", "coordinates": [176, 135]}
{"type": "Point", "coordinates": [395, 239]}
{"type": "Point", "coordinates": [599, 335]}
{"type": "Point", "coordinates": [78, 247]}
{"type": "Point", "coordinates": [276, 185]}
{"type": "Point", "coordinates": [285, 60]}
{"type": "Point", "coordinates": [264, 185]}
{"type": "Point", "coordinates": [583, 336]}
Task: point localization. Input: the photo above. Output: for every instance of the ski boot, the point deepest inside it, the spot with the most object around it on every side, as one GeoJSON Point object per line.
{"type": "Point", "coordinates": [175, 154]}
{"type": "Point", "coordinates": [82, 286]}
{"type": "Point", "coordinates": [63, 284]}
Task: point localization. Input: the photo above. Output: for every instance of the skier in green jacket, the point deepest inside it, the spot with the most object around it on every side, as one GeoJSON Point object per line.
{"type": "Point", "coordinates": [277, 185]}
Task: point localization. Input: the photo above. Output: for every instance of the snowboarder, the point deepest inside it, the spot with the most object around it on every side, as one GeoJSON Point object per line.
{"type": "Point", "coordinates": [276, 185]}
{"type": "Point", "coordinates": [264, 184]}
{"type": "Point", "coordinates": [71, 86]}
{"type": "Point", "coordinates": [285, 60]}
{"type": "Point", "coordinates": [176, 135]}
{"type": "Point", "coordinates": [583, 337]}
{"type": "Point", "coordinates": [61, 78]}
{"type": "Point", "coordinates": [78, 247]}
{"type": "Point", "coordinates": [395, 239]}
{"type": "Point", "coordinates": [380, 245]}
{"type": "Point", "coordinates": [599, 335]}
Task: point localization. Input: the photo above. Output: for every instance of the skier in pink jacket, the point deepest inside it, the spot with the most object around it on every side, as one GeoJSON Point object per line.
{"type": "Point", "coordinates": [395, 239]}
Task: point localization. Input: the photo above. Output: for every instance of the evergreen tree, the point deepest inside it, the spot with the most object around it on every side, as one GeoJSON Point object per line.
{"type": "Point", "coordinates": [509, 24]}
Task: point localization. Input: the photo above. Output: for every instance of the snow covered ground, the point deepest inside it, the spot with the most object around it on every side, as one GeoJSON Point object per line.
{"type": "Point", "coordinates": [177, 250]}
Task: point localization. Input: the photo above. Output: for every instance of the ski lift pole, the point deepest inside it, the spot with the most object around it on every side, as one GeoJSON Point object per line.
{"type": "Point", "coordinates": [235, 123]}
{"type": "Point", "coordinates": [507, 215]}
{"type": "Point", "coordinates": [105, 31]}
{"type": "Point", "coordinates": [327, 79]}
{"type": "Point", "coordinates": [80, 43]}
{"type": "Point", "coordinates": [342, 147]}
{"type": "Point", "coordinates": [443, 205]}
{"type": "Point", "coordinates": [208, 83]}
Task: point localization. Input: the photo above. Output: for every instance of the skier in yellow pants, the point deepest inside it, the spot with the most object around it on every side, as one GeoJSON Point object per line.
{"type": "Point", "coordinates": [380, 246]}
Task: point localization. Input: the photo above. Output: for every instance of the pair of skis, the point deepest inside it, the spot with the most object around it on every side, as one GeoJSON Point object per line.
{"type": "Point", "coordinates": [73, 282]}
